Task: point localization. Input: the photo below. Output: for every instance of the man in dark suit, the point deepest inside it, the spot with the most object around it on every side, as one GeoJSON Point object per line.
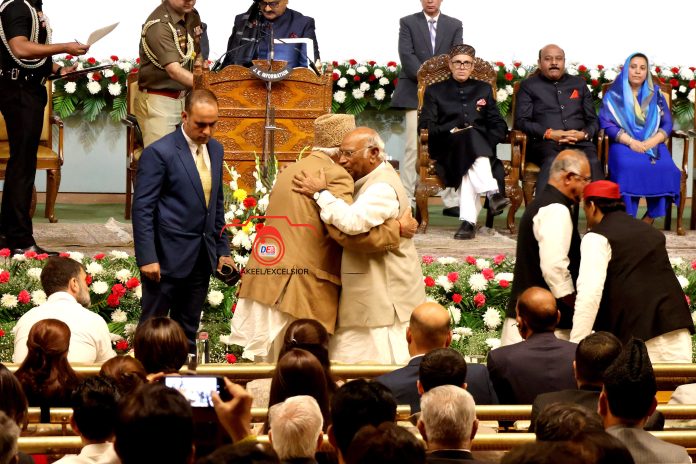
{"type": "Point", "coordinates": [178, 216]}
{"type": "Point", "coordinates": [251, 34]}
{"type": "Point", "coordinates": [541, 363]}
{"type": "Point", "coordinates": [422, 35]}
{"type": "Point", "coordinates": [556, 112]}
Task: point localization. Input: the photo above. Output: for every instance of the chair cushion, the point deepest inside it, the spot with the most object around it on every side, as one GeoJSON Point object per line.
{"type": "Point", "coordinates": [44, 154]}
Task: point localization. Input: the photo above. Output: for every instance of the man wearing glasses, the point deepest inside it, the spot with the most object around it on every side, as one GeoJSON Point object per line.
{"type": "Point", "coordinates": [251, 35]}
{"type": "Point", "coordinates": [548, 242]}
{"type": "Point", "coordinates": [464, 126]}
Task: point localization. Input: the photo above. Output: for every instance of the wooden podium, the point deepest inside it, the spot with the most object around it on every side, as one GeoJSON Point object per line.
{"type": "Point", "coordinates": [298, 100]}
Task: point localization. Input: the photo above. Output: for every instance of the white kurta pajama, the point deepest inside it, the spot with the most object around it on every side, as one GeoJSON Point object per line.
{"type": "Point", "coordinates": [478, 180]}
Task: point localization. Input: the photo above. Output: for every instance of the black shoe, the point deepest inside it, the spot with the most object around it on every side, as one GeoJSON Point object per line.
{"type": "Point", "coordinates": [452, 212]}
{"type": "Point", "coordinates": [36, 249]}
{"type": "Point", "coordinates": [497, 203]}
{"type": "Point", "coordinates": [466, 231]}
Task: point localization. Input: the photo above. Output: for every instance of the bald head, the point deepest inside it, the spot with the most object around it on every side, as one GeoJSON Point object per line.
{"type": "Point", "coordinates": [429, 328]}
{"type": "Point", "coordinates": [570, 173]}
{"type": "Point", "coordinates": [536, 310]}
{"type": "Point", "coordinates": [552, 62]}
{"type": "Point", "coordinates": [362, 150]}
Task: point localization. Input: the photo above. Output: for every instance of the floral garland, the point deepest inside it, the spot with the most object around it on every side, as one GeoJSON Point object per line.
{"type": "Point", "coordinates": [358, 86]}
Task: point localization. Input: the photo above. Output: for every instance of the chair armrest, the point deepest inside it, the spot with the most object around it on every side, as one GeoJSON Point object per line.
{"type": "Point", "coordinates": [518, 138]}
{"type": "Point", "coordinates": [680, 134]}
{"type": "Point", "coordinates": [55, 120]}
{"type": "Point", "coordinates": [692, 133]}
{"type": "Point", "coordinates": [129, 121]}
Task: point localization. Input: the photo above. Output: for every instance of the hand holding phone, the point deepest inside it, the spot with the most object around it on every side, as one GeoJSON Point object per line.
{"type": "Point", "coordinates": [197, 389]}
{"type": "Point", "coordinates": [234, 414]}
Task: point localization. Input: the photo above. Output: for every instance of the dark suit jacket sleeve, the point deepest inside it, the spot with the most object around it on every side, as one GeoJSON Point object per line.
{"type": "Point", "coordinates": [429, 117]}
{"type": "Point", "coordinates": [151, 172]}
{"type": "Point", "coordinates": [458, 35]}
{"type": "Point", "coordinates": [310, 33]}
{"type": "Point", "coordinates": [496, 127]}
{"type": "Point", "coordinates": [500, 384]}
{"type": "Point", "coordinates": [407, 52]}
{"type": "Point", "coordinates": [524, 113]}
{"type": "Point", "coordinates": [591, 122]}
{"type": "Point", "coordinates": [222, 245]}
{"type": "Point", "coordinates": [229, 58]}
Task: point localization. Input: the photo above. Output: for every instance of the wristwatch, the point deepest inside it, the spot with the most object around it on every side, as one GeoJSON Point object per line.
{"type": "Point", "coordinates": [316, 194]}
{"type": "Point", "coordinates": [587, 136]}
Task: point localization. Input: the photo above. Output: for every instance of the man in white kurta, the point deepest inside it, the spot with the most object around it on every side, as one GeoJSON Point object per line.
{"type": "Point", "coordinates": [379, 290]}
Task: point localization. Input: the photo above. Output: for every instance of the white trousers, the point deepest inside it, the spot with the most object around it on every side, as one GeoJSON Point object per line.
{"type": "Point", "coordinates": [672, 347]}
{"type": "Point", "coordinates": [477, 180]}
{"type": "Point", "coordinates": [259, 329]}
{"type": "Point", "coordinates": [407, 168]}
{"type": "Point", "coordinates": [379, 345]}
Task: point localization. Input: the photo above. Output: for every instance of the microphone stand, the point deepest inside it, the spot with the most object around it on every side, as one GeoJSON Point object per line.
{"type": "Point", "coordinates": [270, 127]}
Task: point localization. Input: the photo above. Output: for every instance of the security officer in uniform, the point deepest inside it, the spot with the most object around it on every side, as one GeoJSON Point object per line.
{"type": "Point", "coordinates": [464, 126]}
{"type": "Point", "coordinates": [169, 44]}
{"type": "Point", "coordinates": [25, 62]}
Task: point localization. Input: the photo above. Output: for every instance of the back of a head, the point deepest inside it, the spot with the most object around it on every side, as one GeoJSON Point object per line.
{"type": "Point", "coordinates": [386, 444]}
{"type": "Point", "coordinates": [13, 401]}
{"type": "Point", "coordinates": [295, 424]}
{"type": "Point", "coordinates": [594, 355]}
{"type": "Point", "coordinates": [155, 424]}
{"type": "Point", "coordinates": [629, 383]}
{"type": "Point", "coordinates": [57, 272]}
{"type": "Point", "coordinates": [126, 372]}
{"type": "Point", "coordinates": [570, 160]}
{"type": "Point", "coordinates": [9, 434]}
{"type": "Point", "coordinates": [160, 345]}
{"type": "Point", "coordinates": [565, 421]}
{"type": "Point", "coordinates": [430, 326]}
{"type": "Point", "coordinates": [592, 447]}
{"type": "Point", "coordinates": [95, 408]}
{"type": "Point", "coordinates": [443, 366]}
{"type": "Point", "coordinates": [310, 335]}
{"type": "Point", "coordinates": [536, 306]}
{"type": "Point", "coordinates": [245, 452]}
{"type": "Point", "coordinates": [358, 403]}
{"type": "Point", "coordinates": [448, 414]}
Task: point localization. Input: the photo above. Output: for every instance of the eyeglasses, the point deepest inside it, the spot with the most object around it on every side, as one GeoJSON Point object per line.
{"type": "Point", "coordinates": [462, 64]}
{"type": "Point", "coordinates": [269, 4]}
{"type": "Point", "coordinates": [584, 179]}
{"type": "Point", "coordinates": [350, 153]}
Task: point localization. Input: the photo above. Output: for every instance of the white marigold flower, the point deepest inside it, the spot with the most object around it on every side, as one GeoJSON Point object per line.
{"type": "Point", "coordinates": [447, 260]}
{"type": "Point", "coordinates": [215, 297]}
{"type": "Point", "coordinates": [342, 82]}
{"type": "Point", "coordinates": [89, 76]}
{"type": "Point", "coordinates": [483, 263]}
{"type": "Point", "coordinates": [337, 72]}
{"type": "Point", "coordinates": [463, 331]}
{"type": "Point", "coordinates": [125, 66]}
{"type": "Point", "coordinates": [70, 87]}
{"type": "Point", "coordinates": [430, 299]}
{"type": "Point", "coordinates": [493, 343]}
{"type": "Point", "coordinates": [509, 89]}
{"type": "Point", "coordinates": [378, 73]}
{"type": "Point", "coordinates": [682, 89]}
{"type": "Point", "coordinates": [610, 74]}
{"type": "Point", "coordinates": [362, 69]}
{"type": "Point", "coordinates": [138, 291]}
{"type": "Point", "coordinates": [501, 95]}
{"type": "Point", "coordinates": [456, 337]}
{"type": "Point", "coordinates": [392, 68]}
{"type": "Point", "coordinates": [114, 89]}
{"type": "Point", "coordinates": [521, 71]}
{"type": "Point", "coordinates": [34, 273]}
{"type": "Point", "coordinates": [8, 300]}
{"type": "Point", "coordinates": [380, 94]}
{"type": "Point", "coordinates": [262, 205]}
{"type": "Point", "coordinates": [99, 287]}
{"type": "Point", "coordinates": [693, 317]}
{"type": "Point", "coordinates": [119, 316]}
{"type": "Point", "coordinates": [444, 282]}
{"type": "Point", "coordinates": [246, 242]}
{"type": "Point", "coordinates": [38, 297]}
{"type": "Point", "coordinates": [94, 268]}
{"type": "Point", "coordinates": [93, 87]}
{"type": "Point", "coordinates": [491, 318]}
{"type": "Point", "coordinates": [339, 96]}
{"type": "Point", "coordinates": [76, 255]}
{"type": "Point", "coordinates": [80, 66]}
{"type": "Point", "coordinates": [19, 257]}
{"type": "Point", "coordinates": [666, 72]}
{"type": "Point", "coordinates": [504, 276]}
{"type": "Point", "coordinates": [594, 74]}
{"type": "Point", "coordinates": [383, 81]}
{"type": "Point", "coordinates": [129, 329]}
{"type": "Point", "coordinates": [350, 71]}
{"type": "Point", "coordinates": [229, 215]}
{"type": "Point", "coordinates": [572, 70]}
{"type": "Point", "coordinates": [123, 275]}
{"type": "Point", "coordinates": [686, 73]}
{"type": "Point", "coordinates": [692, 96]}
{"type": "Point", "coordinates": [241, 260]}
{"type": "Point", "coordinates": [600, 94]}
{"type": "Point", "coordinates": [676, 262]}
{"type": "Point", "coordinates": [237, 239]}
{"type": "Point", "coordinates": [364, 86]}
{"type": "Point", "coordinates": [108, 73]}
{"type": "Point", "coordinates": [358, 94]}
{"type": "Point", "coordinates": [478, 282]}
{"type": "Point", "coordinates": [455, 314]}
{"type": "Point", "coordinates": [683, 281]}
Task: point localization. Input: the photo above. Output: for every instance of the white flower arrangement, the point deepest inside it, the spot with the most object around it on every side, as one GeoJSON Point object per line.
{"type": "Point", "coordinates": [339, 96]}
{"type": "Point", "coordinates": [114, 89]}
{"type": "Point", "coordinates": [118, 254]}
{"type": "Point", "coordinates": [444, 282]}
{"type": "Point", "coordinates": [8, 300]}
{"type": "Point", "coordinates": [76, 255]}
{"type": "Point", "coordinates": [463, 331]}
{"type": "Point", "coordinates": [478, 282]}
{"type": "Point", "coordinates": [493, 343]}
{"type": "Point", "coordinates": [19, 257]}
{"type": "Point", "coordinates": [93, 87]}
{"type": "Point", "coordinates": [99, 287]}
{"type": "Point", "coordinates": [683, 281]}
{"type": "Point", "coordinates": [215, 297]}
{"type": "Point", "coordinates": [491, 318]}
{"type": "Point", "coordinates": [447, 260]}
{"type": "Point", "coordinates": [123, 275]}
{"type": "Point", "coordinates": [378, 73]}
{"type": "Point", "coordinates": [364, 86]}
{"type": "Point", "coordinates": [38, 297]}
{"type": "Point", "coordinates": [119, 316]}
{"type": "Point", "coordinates": [70, 87]}
{"type": "Point", "coordinates": [483, 263]}
{"type": "Point", "coordinates": [361, 69]}
{"type": "Point", "coordinates": [508, 276]}
{"type": "Point", "coordinates": [358, 94]}
{"type": "Point", "coordinates": [94, 269]}
{"type": "Point", "coordinates": [342, 82]}
{"type": "Point", "coordinates": [455, 314]}
{"type": "Point", "coordinates": [380, 94]}
{"type": "Point", "coordinates": [501, 95]}
{"type": "Point", "coordinates": [34, 273]}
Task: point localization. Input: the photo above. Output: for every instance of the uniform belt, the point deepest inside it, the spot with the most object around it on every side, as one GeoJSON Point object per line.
{"type": "Point", "coordinates": [16, 74]}
{"type": "Point", "coordinates": [165, 93]}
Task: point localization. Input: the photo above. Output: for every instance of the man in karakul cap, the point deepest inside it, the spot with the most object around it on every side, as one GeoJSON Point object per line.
{"type": "Point", "coordinates": [626, 284]}
{"type": "Point", "coordinates": [305, 280]}
{"type": "Point", "coordinates": [628, 399]}
{"type": "Point", "coordinates": [464, 126]}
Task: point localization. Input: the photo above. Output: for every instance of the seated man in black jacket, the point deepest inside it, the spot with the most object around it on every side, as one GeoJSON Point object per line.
{"type": "Point", "coordinates": [464, 126]}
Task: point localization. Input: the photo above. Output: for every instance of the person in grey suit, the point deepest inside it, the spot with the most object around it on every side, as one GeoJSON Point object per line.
{"type": "Point", "coordinates": [422, 35]}
{"type": "Point", "coordinates": [626, 402]}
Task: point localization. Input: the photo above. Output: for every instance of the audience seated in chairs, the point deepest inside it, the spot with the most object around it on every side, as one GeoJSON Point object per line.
{"type": "Point", "coordinates": [9, 434]}
{"type": "Point", "coordinates": [296, 429]}
{"type": "Point", "coordinates": [45, 374]}
{"type": "Point", "coordinates": [126, 372]}
{"type": "Point", "coordinates": [160, 345]}
{"type": "Point", "coordinates": [13, 403]}
{"type": "Point", "coordinates": [385, 444]}
{"type": "Point", "coordinates": [566, 421]}
{"type": "Point", "coordinates": [588, 448]}
{"type": "Point", "coordinates": [248, 452]}
{"type": "Point", "coordinates": [95, 409]}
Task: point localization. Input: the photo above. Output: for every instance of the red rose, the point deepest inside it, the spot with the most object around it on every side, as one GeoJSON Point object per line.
{"type": "Point", "coordinates": [479, 300]}
{"type": "Point", "coordinates": [594, 82]}
{"type": "Point", "coordinates": [600, 67]}
{"type": "Point", "coordinates": [372, 62]}
{"type": "Point", "coordinates": [4, 277]}
{"type": "Point", "coordinates": [392, 63]}
{"type": "Point", "coordinates": [674, 83]}
{"type": "Point", "coordinates": [488, 274]}
{"type": "Point", "coordinates": [457, 298]}
{"type": "Point", "coordinates": [234, 308]}
{"type": "Point", "coordinates": [675, 70]}
{"type": "Point", "coordinates": [258, 226]}
{"type": "Point", "coordinates": [427, 259]}
{"type": "Point", "coordinates": [118, 290]}
{"type": "Point", "coordinates": [688, 300]}
{"type": "Point", "coordinates": [114, 79]}
{"type": "Point", "coordinates": [372, 77]}
{"type": "Point", "coordinates": [693, 68]}
{"type": "Point", "coordinates": [692, 84]}
{"type": "Point", "coordinates": [470, 260]}
{"type": "Point", "coordinates": [498, 259]}
{"type": "Point", "coordinates": [249, 202]}
{"type": "Point", "coordinates": [91, 60]}
{"type": "Point", "coordinates": [88, 279]}
{"type": "Point", "coordinates": [122, 345]}
{"type": "Point", "coordinates": [99, 256]}
{"type": "Point", "coordinates": [335, 64]}
{"type": "Point", "coordinates": [96, 77]}
{"type": "Point", "coordinates": [134, 71]}
{"type": "Point", "coordinates": [395, 81]}
{"type": "Point", "coordinates": [132, 283]}
{"type": "Point", "coordinates": [509, 76]}
{"type": "Point", "coordinates": [24, 297]}
{"type": "Point", "coordinates": [356, 78]}
{"type": "Point", "coordinates": [336, 76]}
{"type": "Point", "coordinates": [2, 333]}
{"type": "Point", "coordinates": [69, 57]}
{"type": "Point", "coordinates": [661, 79]}
{"type": "Point", "coordinates": [658, 70]}
{"type": "Point", "coordinates": [113, 300]}
{"type": "Point", "coordinates": [504, 283]}
{"type": "Point", "coordinates": [517, 64]}
{"type": "Point", "coordinates": [5, 252]}
{"type": "Point", "coordinates": [429, 281]}
{"type": "Point", "coordinates": [114, 58]}
{"type": "Point", "coordinates": [352, 62]}
{"type": "Point", "coordinates": [30, 254]}
{"type": "Point", "coordinates": [137, 60]}
{"type": "Point", "coordinates": [63, 254]}
{"type": "Point", "coordinates": [231, 359]}
{"type": "Point", "coordinates": [453, 277]}
{"type": "Point", "coordinates": [500, 64]}
{"type": "Point", "coordinates": [582, 68]}
{"type": "Point", "coordinates": [42, 256]}
{"type": "Point", "coordinates": [693, 265]}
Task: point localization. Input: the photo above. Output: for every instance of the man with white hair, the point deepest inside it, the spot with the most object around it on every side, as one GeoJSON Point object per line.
{"type": "Point", "coordinates": [379, 291]}
{"type": "Point", "coordinates": [9, 433]}
{"type": "Point", "coordinates": [448, 425]}
{"type": "Point", "coordinates": [296, 429]}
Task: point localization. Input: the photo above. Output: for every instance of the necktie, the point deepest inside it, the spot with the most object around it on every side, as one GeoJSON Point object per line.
{"type": "Point", "coordinates": [204, 172]}
{"type": "Point", "coordinates": [432, 25]}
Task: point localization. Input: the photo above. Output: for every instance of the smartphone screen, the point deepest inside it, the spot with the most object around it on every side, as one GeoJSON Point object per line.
{"type": "Point", "coordinates": [196, 389]}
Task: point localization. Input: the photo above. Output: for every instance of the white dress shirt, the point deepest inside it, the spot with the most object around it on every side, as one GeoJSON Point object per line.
{"type": "Point", "coordinates": [102, 453]}
{"type": "Point", "coordinates": [90, 341]}
{"type": "Point", "coordinates": [553, 229]}
{"type": "Point", "coordinates": [377, 203]}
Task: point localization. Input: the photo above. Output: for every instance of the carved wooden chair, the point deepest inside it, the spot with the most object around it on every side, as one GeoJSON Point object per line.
{"type": "Point", "coordinates": [134, 142]}
{"type": "Point", "coordinates": [666, 89]}
{"type": "Point", "coordinates": [436, 70]}
{"type": "Point", "coordinates": [47, 159]}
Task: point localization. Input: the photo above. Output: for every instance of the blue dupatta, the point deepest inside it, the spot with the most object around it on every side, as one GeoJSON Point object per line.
{"type": "Point", "coordinates": [638, 116]}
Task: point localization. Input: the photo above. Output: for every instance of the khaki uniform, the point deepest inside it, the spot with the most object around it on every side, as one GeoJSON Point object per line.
{"type": "Point", "coordinates": [167, 37]}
